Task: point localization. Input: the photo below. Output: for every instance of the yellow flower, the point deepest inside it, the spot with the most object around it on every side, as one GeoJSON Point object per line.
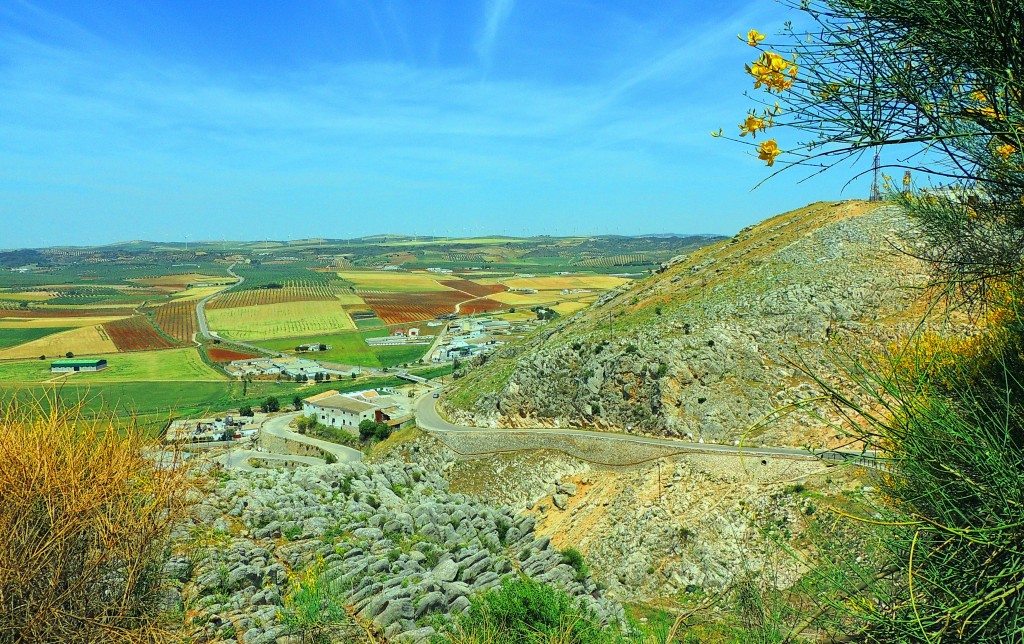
{"type": "Point", "coordinates": [768, 150]}
{"type": "Point", "coordinates": [752, 126]}
{"type": "Point", "coordinates": [754, 37]}
{"type": "Point", "coordinates": [1005, 151]}
{"type": "Point", "coordinates": [771, 70]}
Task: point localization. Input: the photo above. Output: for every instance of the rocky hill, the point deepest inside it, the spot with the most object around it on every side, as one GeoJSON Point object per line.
{"type": "Point", "coordinates": [352, 553]}
{"type": "Point", "coordinates": [708, 347]}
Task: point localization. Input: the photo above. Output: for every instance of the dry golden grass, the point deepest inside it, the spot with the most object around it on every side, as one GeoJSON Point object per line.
{"type": "Point", "coordinates": [85, 518]}
{"type": "Point", "coordinates": [558, 282]}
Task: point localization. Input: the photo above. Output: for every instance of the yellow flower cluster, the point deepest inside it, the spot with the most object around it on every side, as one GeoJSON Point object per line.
{"type": "Point", "coordinates": [768, 150]}
{"type": "Point", "coordinates": [754, 124]}
{"type": "Point", "coordinates": [754, 37]}
{"type": "Point", "coordinates": [772, 71]}
{"type": "Point", "coordinates": [1005, 151]}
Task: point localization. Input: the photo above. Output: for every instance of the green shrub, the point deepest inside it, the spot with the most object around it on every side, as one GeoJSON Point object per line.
{"type": "Point", "coordinates": [523, 610]}
{"type": "Point", "coordinates": [574, 558]}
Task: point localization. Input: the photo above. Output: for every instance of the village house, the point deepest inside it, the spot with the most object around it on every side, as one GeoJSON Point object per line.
{"type": "Point", "coordinates": [338, 410]}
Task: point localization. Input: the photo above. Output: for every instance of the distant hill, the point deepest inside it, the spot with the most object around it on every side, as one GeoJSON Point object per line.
{"type": "Point", "coordinates": [704, 348]}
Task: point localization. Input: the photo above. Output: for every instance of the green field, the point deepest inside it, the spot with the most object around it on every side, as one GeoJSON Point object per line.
{"type": "Point", "coordinates": [286, 320]}
{"type": "Point", "coordinates": [351, 348]}
{"type": "Point", "coordinates": [169, 365]}
{"type": "Point", "coordinates": [152, 405]}
{"type": "Point", "coordinates": [14, 337]}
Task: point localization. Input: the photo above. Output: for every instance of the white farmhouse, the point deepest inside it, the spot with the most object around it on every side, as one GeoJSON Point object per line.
{"type": "Point", "coordinates": [338, 410]}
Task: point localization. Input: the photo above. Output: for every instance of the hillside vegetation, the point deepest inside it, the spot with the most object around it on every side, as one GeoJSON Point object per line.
{"type": "Point", "coordinates": [710, 346]}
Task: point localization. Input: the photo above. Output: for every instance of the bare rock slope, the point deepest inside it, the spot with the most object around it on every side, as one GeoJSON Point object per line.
{"type": "Point", "coordinates": [708, 347]}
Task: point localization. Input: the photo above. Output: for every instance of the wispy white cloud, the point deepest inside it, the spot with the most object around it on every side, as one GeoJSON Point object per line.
{"type": "Point", "coordinates": [89, 128]}
{"type": "Point", "coordinates": [496, 13]}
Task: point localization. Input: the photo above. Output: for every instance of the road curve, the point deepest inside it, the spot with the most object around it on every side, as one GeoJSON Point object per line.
{"type": "Point", "coordinates": [428, 419]}
{"type": "Point", "coordinates": [204, 327]}
{"type": "Point", "coordinates": [278, 427]}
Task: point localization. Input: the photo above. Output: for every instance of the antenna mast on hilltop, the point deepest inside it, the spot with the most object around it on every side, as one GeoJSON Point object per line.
{"type": "Point", "coordinates": [876, 194]}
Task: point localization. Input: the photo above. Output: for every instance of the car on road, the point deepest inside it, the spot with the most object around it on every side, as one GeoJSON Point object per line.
{"type": "Point", "coordinates": [436, 395]}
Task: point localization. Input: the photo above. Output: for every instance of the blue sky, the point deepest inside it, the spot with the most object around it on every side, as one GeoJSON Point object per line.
{"type": "Point", "coordinates": [158, 120]}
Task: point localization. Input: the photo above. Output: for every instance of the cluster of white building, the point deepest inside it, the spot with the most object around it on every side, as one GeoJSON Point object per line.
{"type": "Point", "coordinates": [400, 337]}
{"type": "Point", "coordinates": [347, 411]}
{"type": "Point", "coordinates": [287, 367]}
{"type": "Point", "coordinates": [200, 430]}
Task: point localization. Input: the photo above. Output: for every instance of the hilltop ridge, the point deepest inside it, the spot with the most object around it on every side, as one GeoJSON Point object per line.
{"type": "Point", "coordinates": [706, 348]}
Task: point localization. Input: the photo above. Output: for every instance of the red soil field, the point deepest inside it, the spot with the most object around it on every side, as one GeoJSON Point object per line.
{"type": "Point", "coordinates": [227, 355]}
{"type": "Point", "coordinates": [483, 305]}
{"type": "Point", "coordinates": [402, 308]}
{"type": "Point", "coordinates": [178, 320]}
{"type": "Point", "coordinates": [474, 289]}
{"type": "Point", "coordinates": [136, 334]}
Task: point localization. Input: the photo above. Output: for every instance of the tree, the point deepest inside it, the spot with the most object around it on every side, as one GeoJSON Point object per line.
{"type": "Point", "coordinates": [270, 405]}
{"type": "Point", "coordinates": [42, 357]}
{"type": "Point", "coordinates": [297, 402]}
{"type": "Point", "coordinates": [69, 355]}
{"type": "Point", "coordinates": [367, 429]}
{"type": "Point", "coordinates": [381, 431]}
{"type": "Point", "coordinates": [245, 410]}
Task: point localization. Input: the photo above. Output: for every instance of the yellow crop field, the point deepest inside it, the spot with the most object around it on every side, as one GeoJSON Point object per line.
{"type": "Point", "coordinates": [350, 299]}
{"type": "Point", "coordinates": [525, 299]}
{"type": "Point", "coordinates": [196, 293]}
{"type": "Point", "coordinates": [400, 281]}
{"type": "Point", "coordinates": [31, 296]}
{"type": "Point", "coordinates": [568, 308]}
{"type": "Point", "coordinates": [185, 278]}
{"type": "Point", "coordinates": [559, 282]}
{"type": "Point", "coordinates": [286, 320]}
{"type": "Point", "coordinates": [42, 323]}
{"type": "Point", "coordinates": [86, 339]}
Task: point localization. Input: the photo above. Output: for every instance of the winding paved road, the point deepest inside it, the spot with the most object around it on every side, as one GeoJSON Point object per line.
{"type": "Point", "coordinates": [428, 419]}
{"type": "Point", "coordinates": [278, 427]}
{"type": "Point", "coordinates": [204, 327]}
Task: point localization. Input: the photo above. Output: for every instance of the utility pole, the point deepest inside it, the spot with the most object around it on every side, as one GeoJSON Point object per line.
{"type": "Point", "coordinates": [876, 193]}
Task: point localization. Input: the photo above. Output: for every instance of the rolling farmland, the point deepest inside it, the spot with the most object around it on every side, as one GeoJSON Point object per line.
{"type": "Point", "coordinates": [83, 340]}
{"type": "Point", "coordinates": [136, 334]}
{"type": "Point", "coordinates": [227, 355]}
{"type": "Point", "coordinates": [482, 305]}
{"type": "Point", "coordinates": [263, 296]}
{"type": "Point", "coordinates": [14, 337]}
{"type": "Point", "coordinates": [60, 313]}
{"type": "Point", "coordinates": [178, 320]}
{"type": "Point", "coordinates": [402, 308]}
{"type": "Point", "coordinates": [289, 319]}
{"type": "Point", "coordinates": [398, 281]}
{"type": "Point", "coordinates": [175, 364]}
{"type": "Point", "coordinates": [474, 289]}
